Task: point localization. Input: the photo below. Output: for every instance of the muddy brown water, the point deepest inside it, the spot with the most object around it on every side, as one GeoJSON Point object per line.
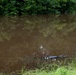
{"type": "Point", "coordinates": [22, 39]}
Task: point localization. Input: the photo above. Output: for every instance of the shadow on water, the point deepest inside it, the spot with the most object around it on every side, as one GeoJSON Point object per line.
{"type": "Point", "coordinates": [25, 40]}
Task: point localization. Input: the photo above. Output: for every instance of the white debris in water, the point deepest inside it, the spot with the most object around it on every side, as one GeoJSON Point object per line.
{"type": "Point", "coordinates": [46, 58]}
{"type": "Point", "coordinates": [41, 47]}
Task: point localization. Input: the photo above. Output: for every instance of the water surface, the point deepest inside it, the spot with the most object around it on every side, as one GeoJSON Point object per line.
{"type": "Point", "coordinates": [21, 39]}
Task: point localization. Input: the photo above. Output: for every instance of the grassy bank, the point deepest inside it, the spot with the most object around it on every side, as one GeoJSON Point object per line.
{"type": "Point", "coordinates": [59, 71]}
{"type": "Point", "coordinates": [51, 69]}
{"type": "Point", "coordinates": [69, 69]}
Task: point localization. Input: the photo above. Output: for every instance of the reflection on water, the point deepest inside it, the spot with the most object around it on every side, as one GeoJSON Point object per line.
{"type": "Point", "coordinates": [24, 39]}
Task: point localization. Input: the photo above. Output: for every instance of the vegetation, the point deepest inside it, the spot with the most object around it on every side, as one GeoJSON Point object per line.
{"type": "Point", "coordinates": [59, 71]}
{"type": "Point", "coordinates": [69, 69]}
{"type": "Point", "coordinates": [23, 7]}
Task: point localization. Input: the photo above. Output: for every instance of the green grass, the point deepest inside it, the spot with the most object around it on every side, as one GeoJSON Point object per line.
{"type": "Point", "coordinates": [69, 69]}
{"type": "Point", "coordinates": [52, 69]}
{"type": "Point", "coordinates": [59, 71]}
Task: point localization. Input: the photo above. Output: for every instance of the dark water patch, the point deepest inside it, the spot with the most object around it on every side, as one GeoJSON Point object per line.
{"type": "Point", "coordinates": [25, 41]}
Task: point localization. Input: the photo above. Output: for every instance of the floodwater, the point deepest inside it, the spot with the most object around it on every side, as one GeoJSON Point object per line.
{"type": "Point", "coordinates": [25, 39]}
